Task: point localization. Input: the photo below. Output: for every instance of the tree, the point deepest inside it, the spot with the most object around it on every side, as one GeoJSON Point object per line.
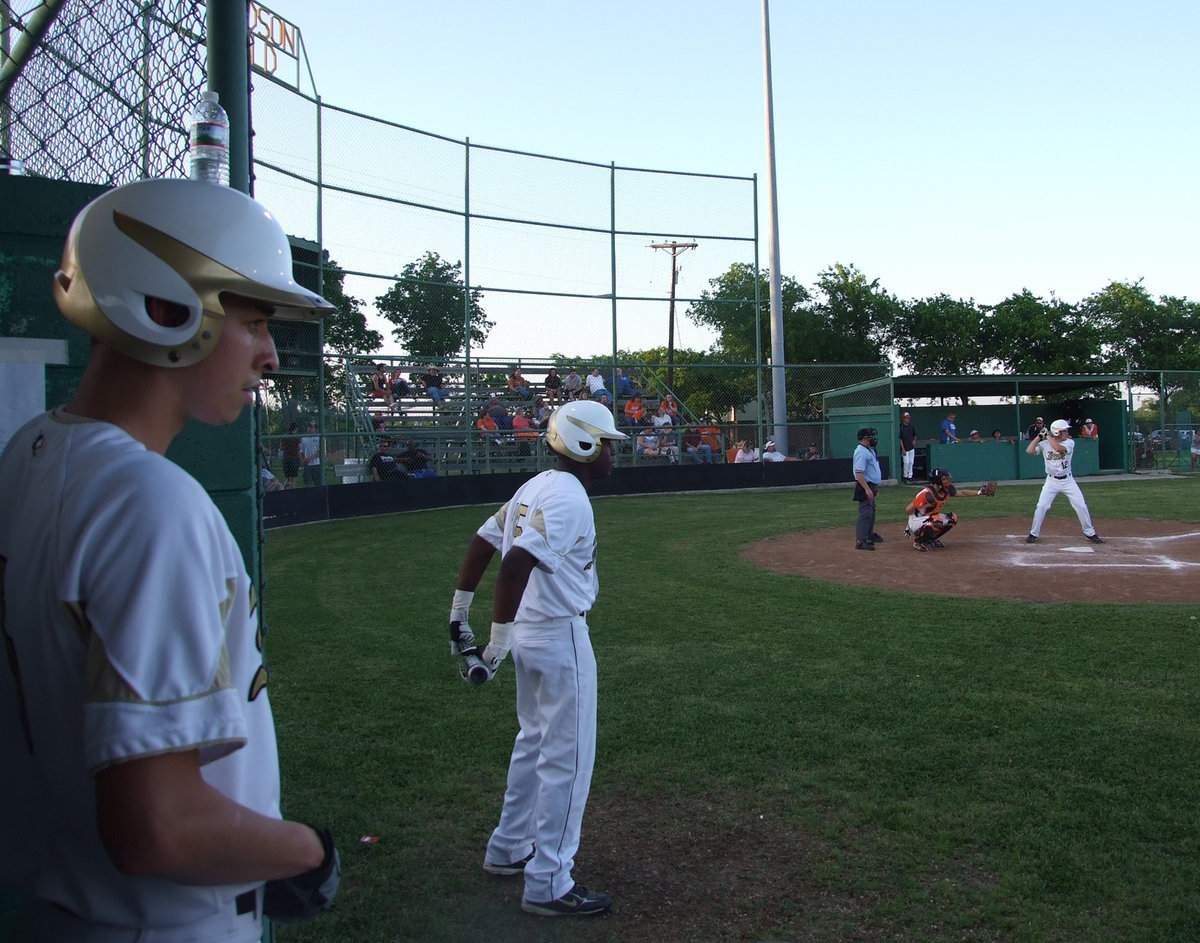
{"type": "Point", "coordinates": [1025, 334]}
{"type": "Point", "coordinates": [1162, 337]}
{"type": "Point", "coordinates": [346, 330]}
{"type": "Point", "coordinates": [856, 312]}
{"type": "Point", "coordinates": [938, 336]}
{"type": "Point", "coordinates": [1138, 331]}
{"type": "Point", "coordinates": [729, 309]}
{"type": "Point", "coordinates": [426, 307]}
{"type": "Point", "coordinates": [828, 332]}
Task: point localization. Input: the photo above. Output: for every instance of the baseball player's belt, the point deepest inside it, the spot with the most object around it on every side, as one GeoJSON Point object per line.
{"type": "Point", "coordinates": [1061, 477]}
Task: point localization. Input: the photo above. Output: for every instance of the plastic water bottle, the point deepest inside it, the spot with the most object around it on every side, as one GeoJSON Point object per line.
{"type": "Point", "coordinates": [208, 142]}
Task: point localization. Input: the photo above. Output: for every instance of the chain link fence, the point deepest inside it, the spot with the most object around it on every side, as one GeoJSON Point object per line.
{"type": "Point", "coordinates": [479, 424]}
{"type": "Point", "coordinates": [1167, 435]}
{"type": "Point", "coordinates": [99, 92]}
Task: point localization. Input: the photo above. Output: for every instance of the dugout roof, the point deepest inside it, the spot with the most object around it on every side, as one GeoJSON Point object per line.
{"type": "Point", "coordinates": [1046, 385]}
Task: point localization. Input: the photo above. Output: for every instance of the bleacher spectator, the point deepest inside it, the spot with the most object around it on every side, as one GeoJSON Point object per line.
{"type": "Point", "coordinates": [661, 417]}
{"type": "Point", "coordinates": [542, 413]}
{"type": "Point", "coordinates": [381, 388]}
{"type": "Point", "coordinates": [635, 410]}
{"type": "Point", "coordinates": [624, 384]}
{"type": "Point", "coordinates": [523, 427]}
{"type": "Point", "coordinates": [268, 479]}
{"type": "Point", "coordinates": [711, 436]}
{"type": "Point", "coordinates": [399, 385]}
{"type": "Point", "coordinates": [572, 385]}
{"type": "Point", "coordinates": [554, 387]}
{"type": "Point", "coordinates": [415, 459]}
{"type": "Point", "coordinates": [595, 383]}
{"type": "Point", "coordinates": [810, 454]}
{"type": "Point", "coordinates": [651, 445]}
{"type": "Point", "coordinates": [498, 412]}
{"type": "Point", "coordinates": [432, 381]}
{"type": "Point", "coordinates": [519, 386]}
{"type": "Point", "coordinates": [772, 454]}
{"type": "Point", "coordinates": [602, 397]}
{"type": "Point", "coordinates": [695, 446]}
{"type": "Point", "coordinates": [670, 406]}
{"type": "Point", "coordinates": [746, 453]}
{"type": "Point", "coordinates": [383, 465]}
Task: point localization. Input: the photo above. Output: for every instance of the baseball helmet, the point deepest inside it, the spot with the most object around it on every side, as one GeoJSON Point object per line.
{"type": "Point", "coordinates": [184, 241]}
{"type": "Point", "coordinates": [1059, 425]}
{"type": "Point", "coordinates": [576, 429]}
{"type": "Point", "coordinates": [937, 474]}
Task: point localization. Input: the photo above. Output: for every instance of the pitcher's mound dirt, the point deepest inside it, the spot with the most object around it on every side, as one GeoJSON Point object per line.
{"type": "Point", "coordinates": [1140, 560]}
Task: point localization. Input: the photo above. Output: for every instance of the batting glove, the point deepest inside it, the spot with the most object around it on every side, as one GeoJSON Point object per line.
{"type": "Point", "coordinates": [497, 647]}
{"type": "Point", "coordinates": [305, 896]}
{"type": "Point", "coordinates": [462, 638]}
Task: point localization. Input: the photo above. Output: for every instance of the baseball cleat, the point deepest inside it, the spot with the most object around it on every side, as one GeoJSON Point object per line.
{"type": "Point", "coordinates": [578, 900]}
{"type": "Point", "coordinates": [864, 545]}
{"type": "Point", "coordinates": [936, 543]}
{"type": "Point", "coordinates": [1094, 538]}
{"type": "Point", "coordinates": [918, 545]}
{"type": "Point", "coordinates": [508, 870]}
{"type": "Point", "coordinates": [1031, 539]}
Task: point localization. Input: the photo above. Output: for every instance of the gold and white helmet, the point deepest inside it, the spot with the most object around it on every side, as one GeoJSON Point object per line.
{"type": "Point", "coordinates": [184, 241]}
{"type": "Point", "coordinates": [577, 428]}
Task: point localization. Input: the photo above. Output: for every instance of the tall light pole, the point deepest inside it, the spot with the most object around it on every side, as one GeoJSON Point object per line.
{"type": "Point", "coordinates": [675, 248]}
{"type": "Point", "coordinates": [778, 374]}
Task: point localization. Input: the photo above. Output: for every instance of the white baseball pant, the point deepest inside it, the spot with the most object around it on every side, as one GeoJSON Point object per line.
{"type": "Point", "coordinates": [550, 772]}
{"type": "Point", "coordinates": [1051, 490]}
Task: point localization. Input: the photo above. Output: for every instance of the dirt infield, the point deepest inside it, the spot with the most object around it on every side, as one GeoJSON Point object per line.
{"type": "Point", "coordinates": [1140, 561]}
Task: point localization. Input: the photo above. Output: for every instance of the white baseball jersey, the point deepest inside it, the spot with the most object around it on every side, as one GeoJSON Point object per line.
{"type": "Point", "coordinates": [551, 518]}
{"type": "Point", "coordinates": [131, 631]}
{"type": "Point", "coordinates": [1057, 465]}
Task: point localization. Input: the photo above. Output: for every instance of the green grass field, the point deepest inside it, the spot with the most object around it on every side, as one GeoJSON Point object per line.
{"type": "Point", "coordinates": [779, 758]}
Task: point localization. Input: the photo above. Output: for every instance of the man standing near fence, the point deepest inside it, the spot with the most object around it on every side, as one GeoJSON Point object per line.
{"type": "Point", "coordinates": [908, 447]}
{"type": "Point", "coordinates": [546, 536]}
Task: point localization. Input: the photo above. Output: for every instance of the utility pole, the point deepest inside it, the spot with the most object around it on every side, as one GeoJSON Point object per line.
{"type": "Point", "coordinates": [778, 358]}
{"type": "Point", "coordinates": [675, 248]}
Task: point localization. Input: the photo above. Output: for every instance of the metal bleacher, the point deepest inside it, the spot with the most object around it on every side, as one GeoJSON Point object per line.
{"type": "Point", "coordinates": [448, 431]}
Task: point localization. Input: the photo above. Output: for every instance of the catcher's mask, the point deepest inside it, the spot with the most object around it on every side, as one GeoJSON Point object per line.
{"type": "Point", "coordinates": [182, 241]}
{"type": "Point", "coordinates": [576, 429]}
{"type": "Point", "coordinates": [937, 476]}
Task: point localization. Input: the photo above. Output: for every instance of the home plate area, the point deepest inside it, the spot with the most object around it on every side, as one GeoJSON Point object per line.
{"type": "Point", "coordinates": [1140, 560]}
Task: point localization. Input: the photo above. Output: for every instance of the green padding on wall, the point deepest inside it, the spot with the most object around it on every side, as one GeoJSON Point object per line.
{"type": "Point", "coordinates": [219, 457]}
{"type": "Point", "coordinates": [240, 509]}
{"type": "Point", "coordinates": [976, 461]}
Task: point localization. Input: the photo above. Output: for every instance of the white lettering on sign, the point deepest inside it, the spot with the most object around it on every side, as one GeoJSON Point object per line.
{"type": "Point", "coordinates": [270, 36]}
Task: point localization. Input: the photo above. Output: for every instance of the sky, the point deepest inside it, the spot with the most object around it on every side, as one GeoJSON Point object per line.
{"type": "Point", "coordinates": [963, 148]}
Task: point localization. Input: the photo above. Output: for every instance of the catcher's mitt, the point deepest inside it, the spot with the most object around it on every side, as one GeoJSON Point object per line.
{"type": "Point", "coordinates": [988, 489]}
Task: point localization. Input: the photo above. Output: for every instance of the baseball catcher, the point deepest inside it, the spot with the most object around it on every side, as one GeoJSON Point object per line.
{"type": "Point", "coordinates": [927, 518]}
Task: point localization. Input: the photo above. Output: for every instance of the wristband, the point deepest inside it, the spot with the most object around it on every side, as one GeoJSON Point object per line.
{"type": "Point", "coordinates": [461, 605]}
{"type": "Point", "coordinates": [501, 639]}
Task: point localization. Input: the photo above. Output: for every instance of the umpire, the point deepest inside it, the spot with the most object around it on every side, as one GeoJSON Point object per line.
{"type": "Point", "coordinates": [867, 475]}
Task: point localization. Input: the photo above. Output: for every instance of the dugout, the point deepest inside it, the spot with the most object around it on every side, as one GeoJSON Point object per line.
{"type": "Point", "coordinates": [1060, 396]}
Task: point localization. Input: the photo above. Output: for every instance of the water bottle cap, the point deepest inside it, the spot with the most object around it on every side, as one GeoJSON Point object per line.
{"type": "Point", "coordinates": [209, 96]}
